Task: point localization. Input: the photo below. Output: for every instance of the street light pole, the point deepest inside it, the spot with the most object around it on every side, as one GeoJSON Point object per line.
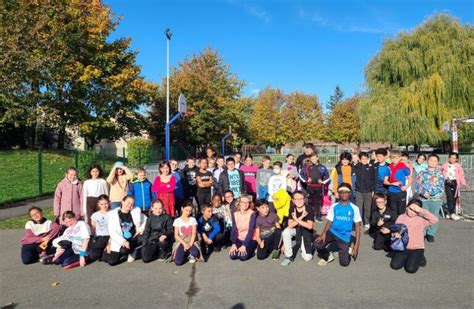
{"type": "Point", "coordinates": [168, 39]}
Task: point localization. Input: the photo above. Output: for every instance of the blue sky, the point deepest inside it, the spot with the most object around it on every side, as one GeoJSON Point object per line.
{"type": "Point", "coordinates": [309, 46]}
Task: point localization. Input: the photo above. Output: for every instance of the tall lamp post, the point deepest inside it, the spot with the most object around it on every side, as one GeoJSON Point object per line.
{"type": "Point", "coordinates": [168, 39]}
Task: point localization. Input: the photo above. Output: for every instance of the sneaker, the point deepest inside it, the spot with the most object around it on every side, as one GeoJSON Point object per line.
{"type": "Point", "coordinates": [455, 217]}
{"type": "Point", "coordinates": [423, 262]}
{"type": "Point", "coordinates": [130, 259]}
{"type": "Point", "coordinates": [161, 256]}
{"type": "Point", "coordinates": [323, 262]}
{"type": "Point", "coordinates": [429, 238]}
{"type": "Point", "coordinates": [217, 248]}
{"type": "Point", "coordinates": [285, 262]}
{"type": "Point", "coordinates": [48, 260]}
{"type": "Point", "coordinates": [319, 220]}
{"type": "Point", "coordinates": [367, 226]}
{"type": "Point", "coordinates": [448, 216]}
{"type": "Point", "coordinates": [275, 254]}
{"type": "Point", "coordinates": [42, 256]}
{"type": "Point", "coordinates": [350, 251]}
{"type": "Point", "coordinates": [191, 259]}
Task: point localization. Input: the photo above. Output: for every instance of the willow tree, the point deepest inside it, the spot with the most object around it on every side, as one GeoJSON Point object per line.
{"type": "Point", "coordinates": [419, 80]}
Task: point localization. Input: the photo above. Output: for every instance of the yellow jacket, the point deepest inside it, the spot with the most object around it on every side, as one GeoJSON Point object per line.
{"type": "Point", "coordinates": [281, 201]}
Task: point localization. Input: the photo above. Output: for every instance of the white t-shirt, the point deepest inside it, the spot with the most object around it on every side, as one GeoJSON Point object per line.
{"type": "Point", "coordinates": [275, 183]}
{"type": "Point", "coordinates": [101, 223]}
{"type": "Point", "coordinates": [76, 234]}
{"type": "Point", "coordinates": [185, 228]}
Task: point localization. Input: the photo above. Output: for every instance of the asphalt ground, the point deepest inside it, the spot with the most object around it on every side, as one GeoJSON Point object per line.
{"type": "Point", "coordinates": [446, 282]}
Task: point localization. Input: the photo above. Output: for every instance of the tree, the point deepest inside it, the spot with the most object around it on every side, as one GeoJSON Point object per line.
{"type": "Point", "coordinates": [58, 70]}
{"type": "Point", "coordinates": [212, 91]}
{"type": "Point", "coordinates": [278, 118]}
{"type": "Point", "coordinates": [344, 122]}
{"type": "Point", "coordinates": [335, 98]}
{"type": "Point", "coordinates": [417, 81]}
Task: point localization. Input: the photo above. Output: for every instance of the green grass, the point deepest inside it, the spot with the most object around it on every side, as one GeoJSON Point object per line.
{"type": "Point", "coordinates": [19, 222]}
{"type": "Point", "coordinates": [19, 178]}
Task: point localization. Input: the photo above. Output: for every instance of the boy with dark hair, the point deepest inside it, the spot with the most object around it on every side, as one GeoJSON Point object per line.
{"type": "Point", "coordinates": [380, 223]}
{"type": "Point", "coordinates": [263, 176]}
{"type": "Point", "coordinates": [308, 151]}
{"type": "Point", "coordinates": [316, 176]}
{"type": "Point", "coordinates": [238, 159]}
{"type": "Point", "coordinates": [342, 217]}
{"type": "Point", "coordinates": [267, 232]}
{"type": "Point", "coordinates": [381, 170]}
{"type": "Point", "coordinates": [209, 230]}
{"type": "Point", "coordinates": [364, 187]}
{"type": "Point", "coordinates": [398, 182]}
{"type": "Point", "coordinates": [232, 179]}
{"type": "Point", "coordinates": [189, 174]}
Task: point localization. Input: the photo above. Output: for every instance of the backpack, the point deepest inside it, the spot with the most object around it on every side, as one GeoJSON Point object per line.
{"type": "Point", "coordinates": [399, 244]}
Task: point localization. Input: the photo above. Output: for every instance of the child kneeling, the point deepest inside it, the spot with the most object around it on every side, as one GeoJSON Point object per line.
{"type": "Point", "coordinates": [186, 245]}
{"type": "Point", "coordinates": [71, 247]}
{"type": "Point", "coordinates": [267, 231]}
{"type": "Point", "coordinates": [337, 234]}
{"type": "Point", "coordinates": [416, 219]}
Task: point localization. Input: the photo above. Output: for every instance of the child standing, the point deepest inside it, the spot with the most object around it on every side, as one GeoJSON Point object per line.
{"type": "Point", "coordinates": [430, 187]}
{"type": "Point", "coordinates": [250, 174]}
{"type": "Point", "coordinates": [179, 187]}
{"type": "Point", "coordinates": [126, 225]}
{"type": "Point", "coordinates": [398, 183]}
{"type": "Point", "coordinates": [381, 171]}
{"type": "Point", "coordinates": [100, 229]}
{"type": "Point", "coordinates": [342, 217]}
{"type": "Point", "coordinates": [186, 245]}
{"type": "Point", "coordinates": [300, 226]}
{"type": "Point", "coordinates": [243, 230]}
{"type": "Point", "coordinates": [216, 173]}
{"type": "Point", "coordinates": [71, 246]}
{"type": "Point", "coordinates": [263, 176]}
{"type": "Point", "coordinates": [343, 172]}
{"type": "Point", "coordinates": [189, 175]}
{"type": "Point", "coordinates": [454, 178]}
{"type": "Point", "coordinates": [316, 174]}
{"type": "Point", "coordinates": [140, 190]}
{"type": "Point", "coordinates": [158, 233]}
{"type": "Point", "coordinates": [420, 163]}
{"type": "Point", "coordinates": [210, 231]}
{"type": "Point", "coordinates": [118, 180]}
{"type": "Point", "coordinates": [267, 231]}
{"type": "Point", "coordinates": [204, 184]}
{"type": "Point", "coordinates": [276, 182]}
{"type": "Point", "coordinates": [416, 220]}
{"type": "Point", "coordinates": [164, 186]}
{"type": "Point", "coordinates": [94, 186]}
{"type": "Point", "coordinates": [68, 196]}
{"type": "Point", "coordinates": [380, 223]}
{"type": "Point", "coordinates": [39, 233]}
{"type": "Point", "coordinates": [232, 179]}
{"type": "Point", "coordinates": [365, 184]}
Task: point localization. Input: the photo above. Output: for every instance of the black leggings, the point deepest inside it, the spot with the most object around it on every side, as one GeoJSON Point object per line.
{"type": "Point", "coordinates": [97, 245]}
{"type": "Point", "coordinates": [410, 259]}
{"type": "Point", "coordinates": [397, 202]}
{"type": "Point", "coordinates": [450, 187]}
{"type": "Point", "coordinates": [270, 243]}
{"type": "Point", "coordinates": [115, 258]}
{"type": "Point", "coordinates": [315, 197]}
{"type": "Point", "coordinates": [381, 241]}
{"type": "Point", "coordinates": [150, 249]}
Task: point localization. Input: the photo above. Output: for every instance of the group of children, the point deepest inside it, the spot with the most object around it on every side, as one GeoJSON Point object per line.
{"type": "Point", "coordinates": [264, 211]}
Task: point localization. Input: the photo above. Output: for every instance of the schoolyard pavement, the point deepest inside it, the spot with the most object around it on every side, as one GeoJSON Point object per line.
{"type": "Point", "coordinates": [446, 282]}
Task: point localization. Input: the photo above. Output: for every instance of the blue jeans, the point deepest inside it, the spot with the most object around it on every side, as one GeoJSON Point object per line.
{"type": "Point", "coordinates": [433, 207]}
{"type": "Point", "coordinates": [181, 255]}
{"type": "Point", "coordinates": [68, 257]}
{"type": "Point", "coordinates": [250, 248]}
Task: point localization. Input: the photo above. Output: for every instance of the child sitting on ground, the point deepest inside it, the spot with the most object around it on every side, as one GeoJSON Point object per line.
{"type": "Point", "coordinates": [71, 247]}
{"type": "Point", "coordinates": [223, 214]}
{"type": "Point", "coordinates": [210, 232]}
{"type": "Point", "coordinates": [267, 231]}
{"type": "Point", "coordinates": [243, 227]}
{"type": "Point", "coordinates": [100, 229]}
{"type": "Point", "coordinates": [158, 233]}
{"type": "Point", "coordinates": [186, 245]}
{"type": "Point", "coordinates": [39, 233]}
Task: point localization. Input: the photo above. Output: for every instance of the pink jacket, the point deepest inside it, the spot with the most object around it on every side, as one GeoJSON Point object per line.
{"type": "Point", "coordinates": [459, 174]}
{"type": "Point", "coordinates": [416, 226]}
{"type": "Point", "coordinates": [68, 196]}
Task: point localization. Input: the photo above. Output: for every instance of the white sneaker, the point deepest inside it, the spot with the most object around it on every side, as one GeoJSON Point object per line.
{"type": "Point", "coordinates": [447, 216]}
{"type": "Point", "coordinates": [350, 251]}
{"type": "Point", "coordinates": [455, 217]}
{"type": "Point", "coordinates": [191, 259]}
{"type": "Point", "coordinates": [323, 262]}
{"type": "Point", "coordinates": [367, 226]}
{"type": "Point", "coordinates": [130, 259]}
